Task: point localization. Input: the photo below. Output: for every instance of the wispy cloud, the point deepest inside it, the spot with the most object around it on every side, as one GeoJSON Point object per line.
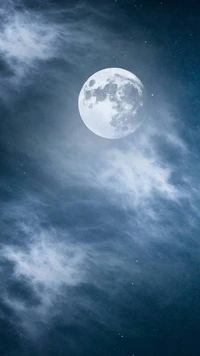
{"type": "Point", "coordinates": [117, 201]}
{"type": "Point", "coordinates": [30, 37]}
{"type": "Point", "coordinates": [46, 263]}
{"type": "Point", "coordinates": [26, 39]}
{"type": "Point", "coordinates": [135, 200]}
{"type": "Point", "coordinates": [133, 173]}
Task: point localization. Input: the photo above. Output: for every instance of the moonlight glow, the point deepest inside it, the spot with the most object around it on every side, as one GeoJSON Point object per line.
{"type": "Point", "coordinates": [109, 103]}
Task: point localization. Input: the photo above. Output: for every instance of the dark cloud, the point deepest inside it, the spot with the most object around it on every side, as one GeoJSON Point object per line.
{"type": "Point", "coordinates": [99, 238]}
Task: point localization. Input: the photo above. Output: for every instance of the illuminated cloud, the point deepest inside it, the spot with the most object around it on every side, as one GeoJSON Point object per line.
{"type": "Point", "coordinates": [110, 206]}
{"type": "Point", "coordinates": [42, 263]}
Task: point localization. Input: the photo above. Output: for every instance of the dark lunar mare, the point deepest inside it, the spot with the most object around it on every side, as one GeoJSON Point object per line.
{"type": "Point", "coordinates": [123, 120]}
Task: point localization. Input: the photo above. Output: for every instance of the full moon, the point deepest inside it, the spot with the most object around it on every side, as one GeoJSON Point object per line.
{"type": "Point", "coordinates": [110, 102]}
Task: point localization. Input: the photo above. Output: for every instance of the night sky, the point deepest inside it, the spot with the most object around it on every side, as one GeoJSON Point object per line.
{"type": "Point", "coordinates": [99, 238]}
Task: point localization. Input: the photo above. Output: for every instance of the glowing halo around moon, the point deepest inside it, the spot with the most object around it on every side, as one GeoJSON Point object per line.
{"type": "Point", "coordinates": [109, 103]}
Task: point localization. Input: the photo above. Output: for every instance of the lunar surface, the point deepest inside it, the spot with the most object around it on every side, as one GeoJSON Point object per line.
{"type": "Point", "coordinates": [110, 103]}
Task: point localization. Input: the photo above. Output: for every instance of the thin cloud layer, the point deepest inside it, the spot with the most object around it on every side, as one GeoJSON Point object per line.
{"type": "Point", "coordinates": [111, 207]}
{"type": "Point", "coordinates": [43, 266]}
{"type": "Point", "coordinates": [26, 40]}
{"type": "Point", "coordinates": [133, 174]}
{"type": "Point", "coordinates": [30, 37]}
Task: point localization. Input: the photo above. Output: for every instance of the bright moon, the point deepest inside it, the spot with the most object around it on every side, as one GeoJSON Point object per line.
{"type": "Point", "coordinates": [109, 103]}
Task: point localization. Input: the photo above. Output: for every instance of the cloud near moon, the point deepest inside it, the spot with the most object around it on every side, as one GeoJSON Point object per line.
{"type": "Point", "coordinates": [89, 226]}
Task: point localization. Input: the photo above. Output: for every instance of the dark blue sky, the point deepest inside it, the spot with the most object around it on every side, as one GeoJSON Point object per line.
{"type": "Point", "coordinates": [99, 239]}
